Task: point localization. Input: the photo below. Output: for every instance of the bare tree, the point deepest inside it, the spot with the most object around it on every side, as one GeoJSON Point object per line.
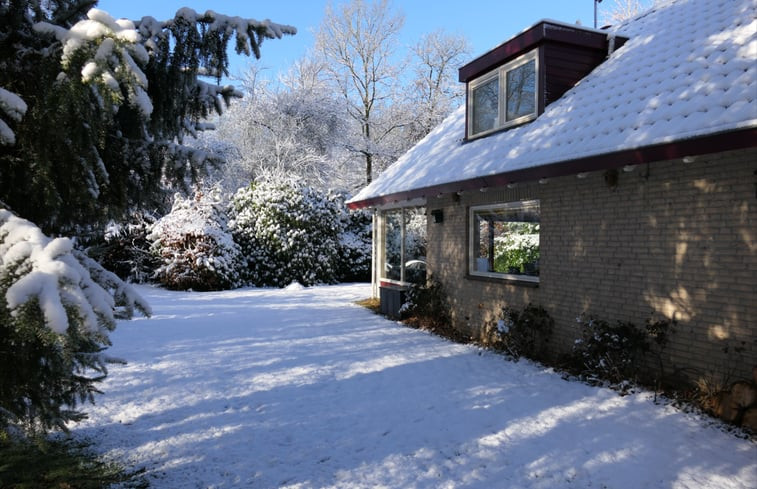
{"type": "Point", "coordinates": [621, 10]}
{"type": "Point", "coordinates": [293, 127]}
{"type": "Point", "coordinates": [357, 41]}
{"type": "Point", "coordinates": [435, 91]}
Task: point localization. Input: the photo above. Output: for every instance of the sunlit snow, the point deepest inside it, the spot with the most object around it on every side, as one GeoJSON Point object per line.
{"type": "Point", "coordinates": [301, 388]}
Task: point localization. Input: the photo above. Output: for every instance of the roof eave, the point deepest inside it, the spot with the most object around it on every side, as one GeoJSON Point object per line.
{"type": "Point", "coordinates": [697, 146]}
{"type": "Point", "coordinates": [541, 32]}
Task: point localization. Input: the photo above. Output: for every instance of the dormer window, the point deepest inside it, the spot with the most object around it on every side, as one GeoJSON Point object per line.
{"type": "Point", "coordinates": [504, 97]}
{"type": "Point", "coordinates": [514, 82]}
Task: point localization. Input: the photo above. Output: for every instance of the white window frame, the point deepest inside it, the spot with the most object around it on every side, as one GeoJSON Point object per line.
{"type": "Point", "coordinates": [382, 251]}
{"type": "Point", "coordinates": [501, 73]}
{"type": "Point", "coordinates": [473, 244]}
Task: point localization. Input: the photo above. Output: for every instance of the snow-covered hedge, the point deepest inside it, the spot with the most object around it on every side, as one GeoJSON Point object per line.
{"type": "Point", "coordinates": [195, 246]}
{"type": "Point", "coordinates": [288, 232]}
{"type": "Point", "coordinates": [57, 307]}
{"type": "Point", "coordinates": [354, 263]}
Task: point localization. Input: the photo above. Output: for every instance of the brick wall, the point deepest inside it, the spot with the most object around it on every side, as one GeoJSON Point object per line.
{"type": "Point", "coordinates": [674, 240]}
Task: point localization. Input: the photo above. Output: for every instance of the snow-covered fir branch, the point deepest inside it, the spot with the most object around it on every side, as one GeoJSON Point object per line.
{"type": "Point", "coordinates": [14, 108]}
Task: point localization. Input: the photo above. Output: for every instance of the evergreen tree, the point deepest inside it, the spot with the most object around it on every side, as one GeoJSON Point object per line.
{"type": "Point", "coordinates": [57, 307]}
{"type": "Point", "coordinates": [107, 105]}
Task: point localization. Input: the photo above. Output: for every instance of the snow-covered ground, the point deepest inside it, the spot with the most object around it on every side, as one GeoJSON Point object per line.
{"type": "Point", "coordinates": [300, 388]}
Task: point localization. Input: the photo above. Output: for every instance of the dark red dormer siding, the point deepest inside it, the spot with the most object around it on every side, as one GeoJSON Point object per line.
{"type": "Point", "coordinates": [566, 55]}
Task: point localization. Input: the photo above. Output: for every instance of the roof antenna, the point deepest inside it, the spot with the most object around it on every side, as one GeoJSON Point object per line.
{"type": "Point", "coordinates": [595, 12]}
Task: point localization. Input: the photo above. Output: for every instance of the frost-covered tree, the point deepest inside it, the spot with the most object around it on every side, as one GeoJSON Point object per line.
{"type": "Point", "coordinates": [358, 41]}
{"type": "Point", "coordinates": [57, 307]}
{"type": "Point", "coordinates": [195, 245]}
{"type": "Point", "coordinates": [616, 11]}
{"type": "Point", "coordinates": [435, 91]}
{"type": "Point", "coordinates": [292, 127]}
{"type": "Point", "coordinates": [108, 105]}
{"type": "Point", "coordinates": [287, 232]}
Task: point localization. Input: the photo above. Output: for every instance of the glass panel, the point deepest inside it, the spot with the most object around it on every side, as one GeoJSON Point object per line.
{"type": "Point", "coordinates": [485, 106]}
{"type": "Point", "coordinates": [393, 244]}
{"type": "Point", "coordinates": [415, 245]}
{"type": "Point", "coordinates": [506, 239]}
{"type": "Point", "coordinates": [412, 252]}
{"type": "Point", "coordinates": [521, 91]}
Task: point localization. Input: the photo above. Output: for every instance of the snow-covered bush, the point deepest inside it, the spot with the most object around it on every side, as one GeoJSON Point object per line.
{"type": "Point", "coordinates": [288, 232]}
{"type": "Point", "coordinates": [354, 264]}
{"type": "Point", "coordinates": [57, 307]}
{"type": "Point", "coordinates": [126, 249]}
{"type": "Point", "coordinates": [524, 333]}
{"type": "Point", "coordinates": [195, 246]}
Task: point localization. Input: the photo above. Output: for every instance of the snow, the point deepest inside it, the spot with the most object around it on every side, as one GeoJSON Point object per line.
{"type": "Point", "coordinates": [7, 136]}
{"type": "Point", "coordinates": [12, 104]}
{"type": "Point", "coordinates": [150, 28]}
{"type": "Point", "coordinates": [140, 99]}
{"type": "Point", "coordinates": [117, 44]}
{"type": "Point", "coordinates": [51, 272]}
{"type": "Point", "coordinates": [688, 70]}
{"type": "Point", "coordinates": [14, 107]}
{"type": "Point", "coordinates": [301, 388]}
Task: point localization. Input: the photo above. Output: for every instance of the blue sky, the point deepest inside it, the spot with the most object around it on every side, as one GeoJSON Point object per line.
{"type": "Point", "coordinates": [486, 23]}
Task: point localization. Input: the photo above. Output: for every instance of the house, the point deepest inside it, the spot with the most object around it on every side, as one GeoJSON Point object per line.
{"type": "Point", "coordinates": [604, 172]}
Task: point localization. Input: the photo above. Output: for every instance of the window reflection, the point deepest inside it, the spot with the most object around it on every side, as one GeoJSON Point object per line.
{"type": "Point", "coordinates": [486, 106]}
{"type": "Point", "coordinates": [405, 245]}
{"type": "Point", "coordinates": [521, 91]}
{"type": "Point", "coordinates": [505, 239]}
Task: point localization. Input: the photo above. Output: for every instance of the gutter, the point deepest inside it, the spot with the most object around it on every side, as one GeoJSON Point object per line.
{"type": "Point", "coordinates": [703, 145]}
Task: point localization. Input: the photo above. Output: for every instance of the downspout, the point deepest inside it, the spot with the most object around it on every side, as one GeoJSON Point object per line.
{"type": "Point", "coordinates": [610, 43]}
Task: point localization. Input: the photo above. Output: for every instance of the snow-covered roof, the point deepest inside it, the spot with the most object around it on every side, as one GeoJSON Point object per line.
{"type": "Point", "coordinates": [688, 70]}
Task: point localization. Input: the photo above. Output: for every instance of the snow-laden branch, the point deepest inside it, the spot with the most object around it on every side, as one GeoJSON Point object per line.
{"type": "Point", "coordinates": [14, 108]}
{"type": "Point", "coordinates": [112, 50]}
{"type": "Point", "coordinates": [61, 280]}
{"type": "Point", "coordinates": [249, 32]}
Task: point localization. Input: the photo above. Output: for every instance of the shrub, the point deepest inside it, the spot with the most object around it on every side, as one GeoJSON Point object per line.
{"type": "Point", "coordinates": [427, 300]}
{"type": "Point", "coordinates": [287, 232]}
{"type": "Point", "coordinates": [525, 333]}
{"type": "Point", "coordinates": [57, 307]}
{"type": "Point", "coordinates": [621, 353]}
{"type": "Point", "coordinates": [195, 246]}
{"type": "Point", "coordinates": [126, 249]}
{"type": "Point", "coordinates": [427, 307]}
{"type": "Point", "coordinates": [354, 262]}
{"type": "Point", "coordinates": [608, 353]}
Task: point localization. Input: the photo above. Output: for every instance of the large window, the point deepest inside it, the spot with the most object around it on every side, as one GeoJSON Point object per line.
{"type": "Point", "coordinates": [504, 97]}
{"type": "Point", "coordinates": [405, 245]}
{"type": "Point", "coordinates": [504, 241]}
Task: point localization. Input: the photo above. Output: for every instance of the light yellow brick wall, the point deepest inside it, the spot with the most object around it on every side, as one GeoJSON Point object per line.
{"type": "Point", "coordinates": [672, 240]}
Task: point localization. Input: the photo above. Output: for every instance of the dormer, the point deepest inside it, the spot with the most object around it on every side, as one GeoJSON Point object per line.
{"type": "Point", "coordinates": [513, 83]}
